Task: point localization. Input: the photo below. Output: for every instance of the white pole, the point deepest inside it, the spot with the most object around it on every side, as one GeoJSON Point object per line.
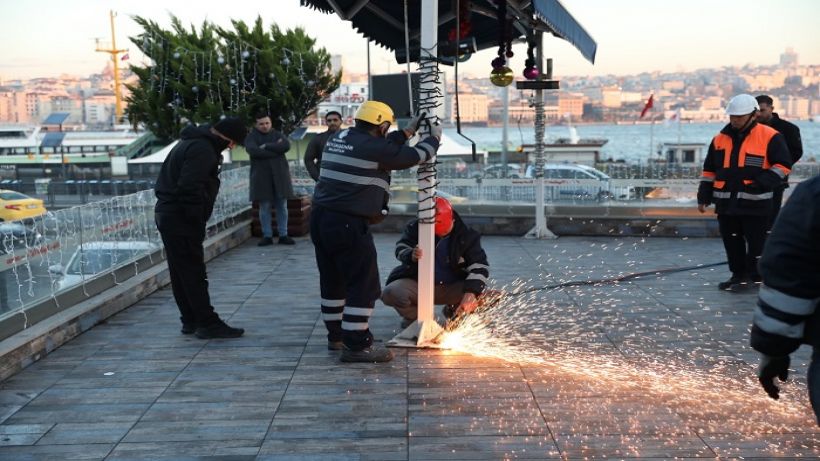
{"type": "Point", "coordinates": [426, 181]}
{"type": "Point", "coordinates": [505, 99]}
{"type": "Point", "coordinates": [540, 231]}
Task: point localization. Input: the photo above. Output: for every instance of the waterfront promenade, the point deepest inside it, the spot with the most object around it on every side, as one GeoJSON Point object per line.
{"type": "Point", "coordinates": [655, 368]}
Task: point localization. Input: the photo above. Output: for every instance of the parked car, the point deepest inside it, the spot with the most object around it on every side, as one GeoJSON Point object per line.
{"type": "Point", "coordinates": [15, 206]}
{"type": "Point", "coordinates": [603, 190]}
{"type": "Point", "coordinates": [15, 235]}
{"type": "Point", "coordinates": [497, 170]}
{"type": "Point", "coordinates": [92, 258]}
{"type": "Point", "coordinates": [409, 194]}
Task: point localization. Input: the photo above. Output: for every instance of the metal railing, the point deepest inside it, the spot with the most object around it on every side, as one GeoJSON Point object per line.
{"type": "Point", "coordinates": [43, 256]}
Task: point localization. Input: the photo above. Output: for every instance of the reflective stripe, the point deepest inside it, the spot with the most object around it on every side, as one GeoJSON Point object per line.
{"type": "Point", "coordinates": [477, 266]}
{"type": "Point", "coordinates": [352, 161]}
{"type": "Point", "coordinates": [719, 184]}
{"type": "Point", "coordinates": [776, 327]}
{"type": "Point", "coordinates": [780, 170]}
{"type": "Point", "coordinates": [355, 179]}
{"type": "Point", "coordinates": [748, 196]}
{"type": "Point", "coordinates": [719, 194]}
{"type": "Point", "coordinates": [333, 302]}
{"type": "Point", "coordinates": [354, 326]}
{"type": "Point", "coordinates": [707, 178]}
{"type": "Point", "coordinates": [477, 277]}
{"type": "Point", "coordinates": [332, 317]}
{"type": "Point", "coordinates": [422, 154]}
{"type": "Point", "coordinates": [787, 303]}
{"type": "Point", "coordinates": [708, 174]}
{"type": "Point", "coordinates": [428, 149]}
{"type": "Point", "coordinates": [400, 247]}
{"type": "Point", "coordinates": [361, 311]}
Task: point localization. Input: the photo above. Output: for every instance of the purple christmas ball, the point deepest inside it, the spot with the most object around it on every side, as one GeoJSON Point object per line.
{"type": "Point", "coordinates": [531, 73]}
{"type": "Point", "coordinates": [498, 62]}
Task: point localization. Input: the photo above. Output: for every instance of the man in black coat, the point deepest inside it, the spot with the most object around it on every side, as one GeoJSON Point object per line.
{"type": "Point", "coordinates": [788, 306]}
{"type": "Point", "coordinates": [186, 191]}
{"type": "Point", "coordinates": [313, 153]}
{"type": "Point", "coordinates": [270, 178]}
{"type": "Point", "coordinates": [461, 268]}
{"type": "Point", "coordinates": [791, 132]}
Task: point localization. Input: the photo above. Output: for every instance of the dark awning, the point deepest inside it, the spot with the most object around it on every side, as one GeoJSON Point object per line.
{"type": "Point", "coordinates": [382, 21]}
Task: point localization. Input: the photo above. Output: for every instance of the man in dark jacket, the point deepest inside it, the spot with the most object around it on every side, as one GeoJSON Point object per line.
{"type": "Point", "coordinates": [352, 192]}
{"type": "Point", "coordinates": [791, 133]}
{"type": "Point", "coordinates": [313, 153]}
{"type": "Point", "coordinates": [461, 268]}
{"type": "Point", "coordinates": [270, 178]}
{"type": "Point", "coordinates": [186, 191]}
{"type": "Point", "coordinates": [745, 162]}
{"type": "Point", "coordinates": [788, 307]}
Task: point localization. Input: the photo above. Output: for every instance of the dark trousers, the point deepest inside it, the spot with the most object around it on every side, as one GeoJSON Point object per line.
{"type": "Point", "coordinates": [189, 279]}
{"type": "Point", "coordinates": [743, 237]}
{"type": "Point", "coordinates": [777, 201]}
{"type": "Point", "coordinates": [348, 275]}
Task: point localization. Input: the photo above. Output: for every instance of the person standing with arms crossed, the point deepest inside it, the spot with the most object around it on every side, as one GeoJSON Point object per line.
{"type": "Point", "coordinates": [352, 193]}
{"type": "Point", "coordinates": [270, 178]}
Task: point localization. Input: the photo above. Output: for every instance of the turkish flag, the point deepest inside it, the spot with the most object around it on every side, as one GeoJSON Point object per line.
{"type": "Point", "coordinates": [648, 105]}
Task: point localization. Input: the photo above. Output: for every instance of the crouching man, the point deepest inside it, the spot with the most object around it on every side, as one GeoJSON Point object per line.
{"type": "Point", "coordinates": [461, 268]}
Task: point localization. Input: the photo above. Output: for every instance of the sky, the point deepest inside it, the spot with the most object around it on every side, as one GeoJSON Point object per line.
{"type": "Point", "coordinates": [50, 37]}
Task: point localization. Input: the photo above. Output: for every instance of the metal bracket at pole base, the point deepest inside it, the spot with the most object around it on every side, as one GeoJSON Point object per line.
{"type": "Point", "coordinates": [420, 334]}
{"type": "Point", "coordinates": [541, 233]}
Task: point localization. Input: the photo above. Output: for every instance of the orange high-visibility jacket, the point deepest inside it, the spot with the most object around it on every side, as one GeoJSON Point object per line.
{"type": "Point", "coordinates": [742, 168]}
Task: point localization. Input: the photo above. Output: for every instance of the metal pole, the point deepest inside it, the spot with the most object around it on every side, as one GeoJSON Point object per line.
{"type": "Point", "coordinates": [369, 77]}
{"type": "Point", "coordinates": [540, 230]}
{"type": "Point", "coordinates": [426, 182]}
{"type": "Point", "coordinates": [505, 99]}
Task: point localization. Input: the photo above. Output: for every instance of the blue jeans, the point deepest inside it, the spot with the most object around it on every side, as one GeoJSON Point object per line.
{"type": "Point", "coordinates": [281, 217]}
{"type": "Point", "coordinates": [814, 382]}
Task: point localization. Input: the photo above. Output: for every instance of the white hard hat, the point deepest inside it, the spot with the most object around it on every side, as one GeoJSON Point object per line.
{"type": "Point", "coordinates": [742, 104]}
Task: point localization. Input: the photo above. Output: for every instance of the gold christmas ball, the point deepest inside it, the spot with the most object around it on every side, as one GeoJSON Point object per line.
{"type": "Point", "coordinates": [501, 76]}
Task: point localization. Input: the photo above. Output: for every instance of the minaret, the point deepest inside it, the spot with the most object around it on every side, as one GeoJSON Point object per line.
{"type": "Point", "coordinates": [113, 51]}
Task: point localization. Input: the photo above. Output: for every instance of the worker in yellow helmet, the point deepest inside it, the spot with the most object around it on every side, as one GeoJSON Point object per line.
{"type": "Point", "coordinates": [352, 193]}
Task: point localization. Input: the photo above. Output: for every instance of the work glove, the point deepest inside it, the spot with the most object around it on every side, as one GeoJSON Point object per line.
{"type": "Point", "coordinates": [413, 124]}
{"type": "Point", "coordinates": [771, 367]}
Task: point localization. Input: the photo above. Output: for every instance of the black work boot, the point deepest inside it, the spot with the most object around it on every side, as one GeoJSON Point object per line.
{"type": "Point", "coordinates": [189, 328]}
{"type": "Point", "coordinates": [285, 240]}
{"type": "Point", "coordinates": [219, 329]}
{"type": "Point", "coordinates": [376, 353]}
{"type": "Point", "coordinates": [735, 279]}
{"type": "Point", "coordinates": [265, 242]}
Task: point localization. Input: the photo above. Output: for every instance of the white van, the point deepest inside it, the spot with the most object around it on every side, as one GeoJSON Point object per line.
{"type": "Point", "coordinates": [93, 258]}
{"type": "Point", "coordinates": [600, 189]}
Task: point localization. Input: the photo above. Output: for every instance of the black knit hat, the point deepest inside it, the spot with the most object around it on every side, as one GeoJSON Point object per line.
{"type": "Point", "coordinates": [232, 128]}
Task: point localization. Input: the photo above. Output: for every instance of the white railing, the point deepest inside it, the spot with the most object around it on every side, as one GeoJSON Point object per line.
{"type": "Point", "coordinates": [44, 256]}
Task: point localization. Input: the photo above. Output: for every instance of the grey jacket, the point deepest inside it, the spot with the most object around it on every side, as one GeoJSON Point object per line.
{"type": "Point", "coordinates": [270, 173]}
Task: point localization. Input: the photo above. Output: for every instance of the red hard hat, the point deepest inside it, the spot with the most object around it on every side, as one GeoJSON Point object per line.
{"type": "Point", "coordinates": [444, 217]}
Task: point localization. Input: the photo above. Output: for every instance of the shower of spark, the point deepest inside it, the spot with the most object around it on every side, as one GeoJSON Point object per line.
{"type": "Point", "coordinates": [587, 334]}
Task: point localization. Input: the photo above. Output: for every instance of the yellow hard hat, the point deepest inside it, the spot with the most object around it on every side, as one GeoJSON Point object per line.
{"type": "Point", "coordinates": [375, 112]}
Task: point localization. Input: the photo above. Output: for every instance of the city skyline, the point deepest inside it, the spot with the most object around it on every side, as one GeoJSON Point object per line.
{"type": "Point", "coordinates": [51, 38]}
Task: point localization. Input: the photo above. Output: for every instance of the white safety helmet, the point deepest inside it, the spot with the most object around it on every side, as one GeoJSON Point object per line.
{"type": "Point", "coordinates": [742, 104]}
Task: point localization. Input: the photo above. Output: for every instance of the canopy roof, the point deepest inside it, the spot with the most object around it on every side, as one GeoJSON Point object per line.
{"type": "Point", "coordinates": [382, 21]}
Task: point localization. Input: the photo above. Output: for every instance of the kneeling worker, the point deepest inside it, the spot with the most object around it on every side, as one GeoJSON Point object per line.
{"type": "Point", "coordinates": [461, 268]}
